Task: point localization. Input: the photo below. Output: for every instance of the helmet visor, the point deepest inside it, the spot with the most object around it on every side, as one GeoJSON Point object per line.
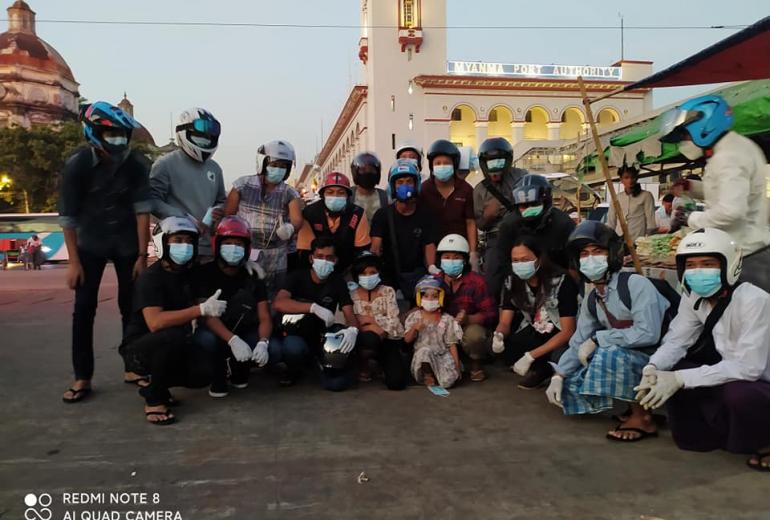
{"type": "Point", "coordinates": [205, 127]}
{"type": "Point", "coordinates": [672, 124]}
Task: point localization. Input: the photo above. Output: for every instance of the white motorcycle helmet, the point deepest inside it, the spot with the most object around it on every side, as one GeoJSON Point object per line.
{"type": "Point", "coordinates": [275, 151]}
{"type": "Point", "coordinates": [171, 226]}
{"type": "Point", "coordinates": [453, 244]}
{"type": "Point", "coordinates": [197, 133]}
{"type": "Point", "coordinates": [711, 242]}
{"type": "Point", "coordinates": [411, 145]}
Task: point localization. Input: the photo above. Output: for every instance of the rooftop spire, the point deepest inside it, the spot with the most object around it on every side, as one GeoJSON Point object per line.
{"type": "Point", "coordinates": [21, 19]}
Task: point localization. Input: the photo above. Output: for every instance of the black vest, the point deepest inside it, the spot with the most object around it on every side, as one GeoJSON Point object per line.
{"type": "Point", "coordinates": [345, 236]}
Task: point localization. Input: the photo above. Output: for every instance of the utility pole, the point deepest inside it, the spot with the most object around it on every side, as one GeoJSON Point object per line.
{"type": "Point", "coordinates": [622, 37]}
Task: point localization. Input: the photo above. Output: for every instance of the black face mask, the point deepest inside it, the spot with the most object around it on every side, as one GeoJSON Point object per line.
{"type": "Point", "coordinates": [367, 180]}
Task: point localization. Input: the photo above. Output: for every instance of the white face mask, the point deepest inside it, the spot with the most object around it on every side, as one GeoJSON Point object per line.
{"type": "Point", "coordinates": [203, 142]}
{"type": "Point", "coordinates": [117, 141]}
{"type": "Point", "coordinates": [429, 305]}
{"type": "Point", "coordinates": [690, 150]}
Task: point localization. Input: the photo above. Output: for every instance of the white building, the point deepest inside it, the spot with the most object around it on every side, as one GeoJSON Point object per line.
{"type": "Point", "coordinates": [412, 92]}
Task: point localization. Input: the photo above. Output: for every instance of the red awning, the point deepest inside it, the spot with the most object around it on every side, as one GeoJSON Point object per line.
{"type": "Point", "coordinates": [743, 56]}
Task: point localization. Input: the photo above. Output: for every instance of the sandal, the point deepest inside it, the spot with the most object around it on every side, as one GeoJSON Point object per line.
{"type": "Point", "coordinates": [168, 420]}
{"type": "Point", "coordinates": [77, 395]}
{"type": "Point", "coordinates": [141, 382]}
{"type": "Point", "coordinates": [760, 455]}
{"type": "Point", "coordinates": [642, 434]}
{"type": "Point", "coordinates": [478, 375]}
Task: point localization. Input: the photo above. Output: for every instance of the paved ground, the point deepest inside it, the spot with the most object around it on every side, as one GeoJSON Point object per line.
{"type": "Point", "coordinates": [488, 451]}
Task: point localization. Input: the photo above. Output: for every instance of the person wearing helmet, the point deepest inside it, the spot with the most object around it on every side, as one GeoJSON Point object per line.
{"type": "Point", "coordinates": [411, 152]}
{"type": "Point", "coordinates": [104, 206]}
{"type": "Point", "coordinates": [610, 347]}
{"type": "Point", "coordinates": [435, 335]}
{"type": "Point", "coordinates": [188, 182]}
{"type": "Point", "coordinates": [242, 334]}
{"type": "Point", "coordinates": [272, 209]}
{"type": "Point", "coordinates": [366, 169]}
{"type": "Point", "coordinates": [712, 370]}
{"type": "Point", "coordinates": [448, 198]}
{"type": "Point", "coordinates": [404, 233]}
{"type": "Point", "coordinates": [734, 179]}
{"type": "Point", "coordinates": [307, 302]}
{"type": "Point", "coordinates": [493, 197]}
{"type": "Point", "coordinates": [468, 299]}
{"type": "Point", "coordinates": [336, 217]}
{"type": "Point", "coordinates": [546, 298]}
{"type": "Point", "coordinates": [637, 205]}
{"type": "Point", "coordinates": [381, 332]}
{"type": "Point", "coordinates": [533, 215]}
{"type": "Point", "coordinates": [158, 339]}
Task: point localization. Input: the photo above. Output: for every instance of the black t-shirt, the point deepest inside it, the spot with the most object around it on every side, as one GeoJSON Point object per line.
{"type": "Point", "coordinates": [567, 296]}
{"type": "Point", "coordinates": [552, 235]}
{"type": "Point", "coordinates": [242, 292]}
{"type": "Point", "coordinates": [413, 233]}
{"type": "Point", "coordinates": [329, 293]}
{"type": "Point", "coordinates": [157, 287]}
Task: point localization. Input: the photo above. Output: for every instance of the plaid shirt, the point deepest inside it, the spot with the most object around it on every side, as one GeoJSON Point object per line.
{"type": "Point", "coordinates": [472, 296]}
{"type": "Point", "coordinates": [263, 211]}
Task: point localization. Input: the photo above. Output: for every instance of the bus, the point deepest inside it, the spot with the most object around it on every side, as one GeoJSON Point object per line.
{"type": "Point", "coordinates": [16, 228]}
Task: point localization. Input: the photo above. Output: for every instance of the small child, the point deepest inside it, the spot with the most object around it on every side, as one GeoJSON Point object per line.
{"type": "Point", "coordinates": [435, 336]}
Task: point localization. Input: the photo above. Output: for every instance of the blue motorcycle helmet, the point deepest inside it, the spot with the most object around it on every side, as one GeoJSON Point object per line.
{"type": "Point", "coordinates": [704, 119]}
{"type": "Point", "coordinates": [101, 117]}
{"type": "Point", "coordinates": [403, 168]}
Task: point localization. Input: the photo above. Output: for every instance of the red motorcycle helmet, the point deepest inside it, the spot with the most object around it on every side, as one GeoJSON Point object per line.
{"type": "Point", "coordinates": [232, 227]}
{"type": "Point", "coordinates": [335, 179]}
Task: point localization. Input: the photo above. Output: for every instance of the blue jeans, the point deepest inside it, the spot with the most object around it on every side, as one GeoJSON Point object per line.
{"type": "Point", "coordinates": [220, 352]}
{"type": "Point", "coordinates": [294, 352]}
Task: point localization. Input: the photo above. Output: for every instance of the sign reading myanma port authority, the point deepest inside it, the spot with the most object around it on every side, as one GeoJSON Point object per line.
{"type": "Point", "coordinates": [476, 68]}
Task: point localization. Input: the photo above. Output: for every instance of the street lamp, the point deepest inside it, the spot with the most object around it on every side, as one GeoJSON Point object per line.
{"type": "Point", "coordinates": [5, 181]}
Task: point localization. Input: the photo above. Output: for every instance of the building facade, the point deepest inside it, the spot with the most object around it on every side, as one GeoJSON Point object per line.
{"type": "Point", "coordinates": [36, 84]}
{"type": "Point", "coordinates": [411, 92]}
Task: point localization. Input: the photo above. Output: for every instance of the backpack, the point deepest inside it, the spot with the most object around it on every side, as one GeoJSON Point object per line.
{"type": "Point", "coordinates": [663, 288]}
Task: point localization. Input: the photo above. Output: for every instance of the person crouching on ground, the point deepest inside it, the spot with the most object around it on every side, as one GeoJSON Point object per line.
{"type": "Point", "coordinates": [546, 297]}
{"type": "Point", "coordinates": [242, 334]}
{"type": "Point", "coordinates": [611, 339]}
{"type": "Point", "coordinates": [381, 333]}
{"type": "Point", "coordinates": [713, 369]}
{"type": "Point", "coordinates": [158, 339]}
{"type": "Point", "coordinates": [435, 336]}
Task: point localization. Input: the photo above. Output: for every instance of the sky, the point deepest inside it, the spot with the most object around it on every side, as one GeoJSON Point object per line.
{"type": "Point", "coordinates": [290, 83]}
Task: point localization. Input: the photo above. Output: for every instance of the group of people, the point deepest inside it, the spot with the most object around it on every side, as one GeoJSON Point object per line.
{"type": "Point", "coordinates": [396, 284]}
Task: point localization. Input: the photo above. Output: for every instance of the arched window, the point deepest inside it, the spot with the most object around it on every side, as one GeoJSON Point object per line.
{"type": "Point", "coordinates": [461, 127]}
{"type": "Point", "coordinates": [536, 123]}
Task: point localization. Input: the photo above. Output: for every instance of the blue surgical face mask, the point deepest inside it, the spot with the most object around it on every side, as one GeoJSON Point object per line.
{"type": "Point", "coordinates": [495, 164]}
{"type": "Point", "coordinates": [594, 267]}
{"type": "Point", "coordinates": [117, 141]}
{"type": "Point", "coordinates": [444, 172]}
{"type": "Point", "coordinates": [323, 268]}
{"type": "Point", "coordinates": [704, 282]}
{"type": "Point", "coordinates": [532, 212]}
{"type": "Point", "coordinates": [453, 268]}
{"type": "Point", "coordinates": [369, 282]}
{"type": "Point", "coordinates": [180, 254]}
{"type": "Point", "coordinates": [335, 204]}
{"type": "Point", "coordinates": [232, 254]}
{"type": "Point", "coordinates": [275, 174]}
{"type": "Point", "coordinates": [524, 270]}
{"type": "Point", "coordinates": [405, 192]}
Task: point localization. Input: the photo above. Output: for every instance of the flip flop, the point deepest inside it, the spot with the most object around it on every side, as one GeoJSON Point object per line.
{"type": "Point", "coordinates": [138, 381]}
{"type": "Point", "coordinates": [642, 434]}
{"type": "Point", "coordinates": [77, 395]}
{"type": "Point", "coordinates": [758, 466]}
{"type": "Point", "coordinates": [477, 376]}
{"type": "Point", "coordinates": [168, 420]}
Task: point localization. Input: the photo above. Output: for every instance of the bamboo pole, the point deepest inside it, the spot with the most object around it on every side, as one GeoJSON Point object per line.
{"type": "Point", "coordinates": [606, 170]}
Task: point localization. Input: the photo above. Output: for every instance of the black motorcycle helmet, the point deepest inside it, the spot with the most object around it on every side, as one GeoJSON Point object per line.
{"type": "Point", "coordinates": [594, 232]}
{"type": "Point", "coordinates": [362, 261]}
{"type": "Point", "coordinates": [366, 170]}
{"type": "Point", "coordinates": [495, 148]}
{"type": "Point", "coordinates": [443, 147]}
{"type": "Point", "coordinates": [533, 189]}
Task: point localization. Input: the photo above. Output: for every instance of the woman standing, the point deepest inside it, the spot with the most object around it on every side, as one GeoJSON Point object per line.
{"type": "Point", "coordinates": [271, 207]}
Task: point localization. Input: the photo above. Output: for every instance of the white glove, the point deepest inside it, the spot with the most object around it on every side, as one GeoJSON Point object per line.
{"type": "Point", "coordinates": [432, 269]}
{"type": "Point", "coordinates": [260, 355]}
{"type": "Point", "coordinates": [285, 231]}
{"type": "Point", "coordinates": [253, 267]}
{"type": "Point", "coordinates": [352, 286]}
{"type": "Point", "coordinates": [498, 342]}
{"type": "Point", "coordinates": [585, 351]}
{"type": "Point", "coordinates": [524, 363]}
{"type": "Point", "coordinates": [649, 378]}
{"type": "Point", "coordinates": [553, 392]}
{"type": "Point", "coordinates": [666, 385]}
{"type": "Point", "coordinates": [349, 336]}
{"type": "Point", "coordinates": [241, 349]}
{"type": "Point", "coordinates": [475, 262]}
{"type": "Point", "coordinates": [325, 314]}
{"type": "Point", "coordinates": [213, 307]}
